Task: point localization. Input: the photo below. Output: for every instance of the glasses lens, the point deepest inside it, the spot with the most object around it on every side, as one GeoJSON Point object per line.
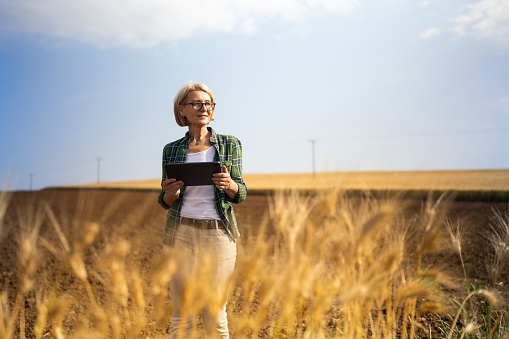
{"type": "Point", "coordinates": [208, 105]}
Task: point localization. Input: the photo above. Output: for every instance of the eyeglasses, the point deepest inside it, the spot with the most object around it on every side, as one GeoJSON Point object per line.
{"type": "Point", "coordinates": [198, 105]}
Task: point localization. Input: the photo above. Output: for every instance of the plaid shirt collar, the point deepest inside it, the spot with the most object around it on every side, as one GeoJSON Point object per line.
{"type": "Point", "coordinates": [213, 136]}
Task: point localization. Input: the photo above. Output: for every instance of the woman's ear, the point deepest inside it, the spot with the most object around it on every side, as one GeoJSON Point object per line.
{"type": "Point", "coordinates": [181, 112]}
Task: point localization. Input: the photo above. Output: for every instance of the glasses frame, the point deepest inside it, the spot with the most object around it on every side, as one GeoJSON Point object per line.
{"type": "Point", "coordinates": [200, 105]}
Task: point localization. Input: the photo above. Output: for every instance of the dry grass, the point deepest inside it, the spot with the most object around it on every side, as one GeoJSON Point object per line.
{"type": "Point", "coordinates": [338, 268]}
{"type": "Point", "coordinates": [320, 266]}
{"type": "Point", "coordinates": [483, 180]}
{"type": "Point", "coordinates": [499, 250]}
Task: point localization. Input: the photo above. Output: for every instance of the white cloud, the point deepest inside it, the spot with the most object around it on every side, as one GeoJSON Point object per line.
{"type": "Point", "coordinates": [431, 32]}
{"type": "Point", "coordinates": [426, 3]}
{"type": "Point", "coordinates": [486, 20]}
{"type": "Point", "coordinates": [141, 23]}
{"type": "Point", "coordinates": [501, 103]}
{"type": "Point", "coordinates": [504, 101]}
{"type": "Point", "coordinates": [333, 5]}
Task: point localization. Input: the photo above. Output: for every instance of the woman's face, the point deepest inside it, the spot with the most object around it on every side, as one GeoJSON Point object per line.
{"type": "Point", "coordinates": [196, 118]}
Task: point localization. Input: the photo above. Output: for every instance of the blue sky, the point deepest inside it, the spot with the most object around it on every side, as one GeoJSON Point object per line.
{"type": "Point", "coordinates": [379, 85]}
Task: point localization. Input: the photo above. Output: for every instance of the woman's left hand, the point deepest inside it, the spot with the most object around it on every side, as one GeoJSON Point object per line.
{"type": "Point", "coordinates": [222, 180]}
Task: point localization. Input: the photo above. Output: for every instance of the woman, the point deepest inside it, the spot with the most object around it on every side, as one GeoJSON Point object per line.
{"type": "Point", "coordinates": [200, 224]}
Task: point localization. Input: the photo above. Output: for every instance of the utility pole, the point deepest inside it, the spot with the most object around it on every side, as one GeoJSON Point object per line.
{"type": "Point", "coordinates": [98, 169]}
{"type": "Point", "coordinates": [313, 156]}
{"type": "Point", "coordinates": [31, 176]}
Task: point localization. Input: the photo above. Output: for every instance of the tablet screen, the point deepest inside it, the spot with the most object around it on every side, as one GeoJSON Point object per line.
{"type": "Point", "coordinates": [193, 174]}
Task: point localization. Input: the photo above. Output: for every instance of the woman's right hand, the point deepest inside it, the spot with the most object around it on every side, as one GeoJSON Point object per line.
{"type": "Point", "coordinates": [171, 187]}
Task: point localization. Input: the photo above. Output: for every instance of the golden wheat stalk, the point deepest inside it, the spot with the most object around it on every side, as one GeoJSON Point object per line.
{"type": "Point", "coordinates": [320, 265]}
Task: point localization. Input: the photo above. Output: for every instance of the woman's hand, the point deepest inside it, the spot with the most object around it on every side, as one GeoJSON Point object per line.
{"type": "Point", "coordinates": [171, 187]}
{"type": "Point", "coordinates": [224, 181]}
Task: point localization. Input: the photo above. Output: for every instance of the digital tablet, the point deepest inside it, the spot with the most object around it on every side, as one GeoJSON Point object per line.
{"type": "Point", "coordinates": [194, 173]}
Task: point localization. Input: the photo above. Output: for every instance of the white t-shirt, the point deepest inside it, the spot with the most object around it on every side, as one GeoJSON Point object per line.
{"type": "Point", "coordinates": [198, 202]}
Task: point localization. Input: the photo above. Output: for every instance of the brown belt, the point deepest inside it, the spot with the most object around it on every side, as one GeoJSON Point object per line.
{"type": "Point", "coordinates": [201, 223]}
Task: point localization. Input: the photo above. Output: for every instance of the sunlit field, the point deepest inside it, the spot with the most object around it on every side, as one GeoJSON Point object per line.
{"type": "Point", "coordinates": [405, 180]}
{"type": "Point", "coordinates": [89, 264]}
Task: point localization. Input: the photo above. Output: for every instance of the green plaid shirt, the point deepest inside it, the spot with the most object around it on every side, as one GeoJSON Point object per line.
{"type": "Point", "coordinates": [229, 153]}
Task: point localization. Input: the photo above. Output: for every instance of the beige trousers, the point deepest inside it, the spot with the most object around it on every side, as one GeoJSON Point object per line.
{"type": "Point", "coordinates": [205, 261]}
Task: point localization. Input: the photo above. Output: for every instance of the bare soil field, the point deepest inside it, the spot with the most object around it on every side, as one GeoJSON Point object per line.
{"type": "Point", "coordinates": [135, 216]}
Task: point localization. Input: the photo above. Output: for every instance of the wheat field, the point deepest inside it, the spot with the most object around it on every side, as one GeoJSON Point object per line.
{"type": "Point", "coordinates": [468, 180]}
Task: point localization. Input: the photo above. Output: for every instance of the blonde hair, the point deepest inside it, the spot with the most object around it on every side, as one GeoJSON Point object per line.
{"type": "Point", "coordinates": [181, 97]}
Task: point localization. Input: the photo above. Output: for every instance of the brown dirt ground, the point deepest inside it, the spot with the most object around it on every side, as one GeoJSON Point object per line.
{"type": "Point", "coordinates": [135, 216]}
